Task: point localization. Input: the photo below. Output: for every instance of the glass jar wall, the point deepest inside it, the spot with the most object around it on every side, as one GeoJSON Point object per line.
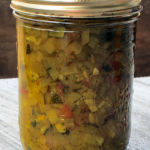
{"type": "Point", "coordinates": [75, 82]}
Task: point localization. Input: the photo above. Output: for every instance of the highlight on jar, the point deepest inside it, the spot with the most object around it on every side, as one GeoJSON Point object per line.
{"type": "Point", "coordinates": [75, 69]}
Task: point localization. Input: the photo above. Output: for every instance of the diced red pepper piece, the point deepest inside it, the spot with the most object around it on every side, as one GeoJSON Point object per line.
{"type": "Point", "coordinates": [60, 88]}
{"type": "Point", "coordinates": [115, 79]}
{"type": "Point", "coordinates": [72, 37]}
{"type": "Point", "coordinates": [23, 91]}
{"type": "Point", "coordinates": [118, 56]}
{"type": "Point", "coordinates": [66, 112]}
{"type": "Point", "coordinates": [76, 123]}
{"type": "Point", "coordinates": [87, 84]}
{"type": "Point", "coordinates": [116, 65]}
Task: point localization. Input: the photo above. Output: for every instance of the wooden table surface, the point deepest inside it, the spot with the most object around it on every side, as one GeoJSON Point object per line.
{"type": "Point", "coordinates": [9, 130]}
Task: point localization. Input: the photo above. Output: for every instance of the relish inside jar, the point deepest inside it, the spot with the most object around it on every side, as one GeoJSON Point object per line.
{"type": "Point", "coordinates": [75, 83]}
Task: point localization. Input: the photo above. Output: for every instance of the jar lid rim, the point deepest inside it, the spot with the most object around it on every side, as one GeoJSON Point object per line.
{"type": "Point", "coordinates": [77, 8]}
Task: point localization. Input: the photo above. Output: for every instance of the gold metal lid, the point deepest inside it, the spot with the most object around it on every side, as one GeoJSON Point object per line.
{"type": "Point", "coordinates": [77, 8]}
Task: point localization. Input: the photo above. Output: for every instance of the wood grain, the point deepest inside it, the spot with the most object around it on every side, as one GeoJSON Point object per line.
{"type": "Point", "coordinates": [9, 130]}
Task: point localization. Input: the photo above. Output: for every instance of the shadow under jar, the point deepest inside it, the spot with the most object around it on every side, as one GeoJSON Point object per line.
{"type": "Point", "coordinates": [75, 69]}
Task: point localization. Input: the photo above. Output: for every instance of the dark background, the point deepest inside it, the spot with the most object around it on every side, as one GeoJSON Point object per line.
{"type": "Point", "coordinates": [8, 56]}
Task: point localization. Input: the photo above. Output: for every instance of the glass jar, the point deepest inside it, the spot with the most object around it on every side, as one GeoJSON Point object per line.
{"type": "Point", "coordinates": [75, 68]}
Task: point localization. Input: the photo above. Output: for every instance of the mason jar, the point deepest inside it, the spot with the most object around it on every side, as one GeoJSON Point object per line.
{"type": "Point", "coordinates": [75, 69]}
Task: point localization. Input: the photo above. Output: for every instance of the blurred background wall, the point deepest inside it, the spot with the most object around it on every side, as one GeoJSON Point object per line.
{"type": "Point", "coordinates": [142, 55]}
{"type": "Point", "coordinates": [8, 63]}
{"type": "Point", "coordinates": [7, 41]}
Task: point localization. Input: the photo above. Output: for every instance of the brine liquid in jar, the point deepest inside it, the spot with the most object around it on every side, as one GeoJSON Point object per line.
{"type": "Point", "coordinates": [75, 83]}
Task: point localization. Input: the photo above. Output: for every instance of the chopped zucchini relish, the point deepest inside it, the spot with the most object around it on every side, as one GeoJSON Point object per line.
{"type": "Point", "coordinates": [75, 85]}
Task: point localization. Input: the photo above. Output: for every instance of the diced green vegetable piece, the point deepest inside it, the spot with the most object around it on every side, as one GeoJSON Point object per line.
{"type": "Point", "coordinates": [100, 140]}
{"type": "Point", "coordinates": [45, 129]}
{"type": "Point", "coordinates": [28, 50]}
{"type": "Point", "coordinates": [74, 48]}
{"type": "Point", "coordinates": [86, 76]}
{"type": "Point", "coordinates": [33, 123]}
{"type": "Point", "coordinates": [53, 115]}
{"type": "Point", "coordinates": [91, 104]}
{"type": "Point", "coordinates": [67, 132]}
{"type": "Point", "coordinates": [72, 97]}
{"type": "Point", "coordinates": [85, 36]}
{"type": "Point", "coordinates": [112, 131]}
{"type": "Point", "coordinates": [91, 118]}
{"type": "Point", "coordinates": [69, 70]}
{"type": "Point", "coordinates": [28, 30]}
{"type": "Point", "coordinates": [57, 32]}
{"type": "Point", "coordinates": [47, 98]}
{"type": "Point", "coordinates": [95, 71]}
{"type": "Point", "coordinates": [60, 77]}
{"type": "Point", "coordinates": [33, 39]}
{"type": "Point", "coordinates": [93, 42]}
{"type": "Point", "coordinates": [92, 124]}
{"type": "Point", "coordinates": [44, 35]}
{"type": "Point", "coordinates": [49, 63]}
{"type": "Point", "coordinates": [56, 99]}
{"type": "Point", "coordinates": [32, 75]}
{"type": "Point", "coordinates": [60, 127]}
{"type": "Point", "coordinates": [49, 46]}
{"type": "Point", "coordinates": [101, 104]}
{"type": "Point", "coordinates": [89, 94]}
{"type": "Point", "coordinates": [39, 56]}
{"type": "Point", "coordinates": [53, 73]}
